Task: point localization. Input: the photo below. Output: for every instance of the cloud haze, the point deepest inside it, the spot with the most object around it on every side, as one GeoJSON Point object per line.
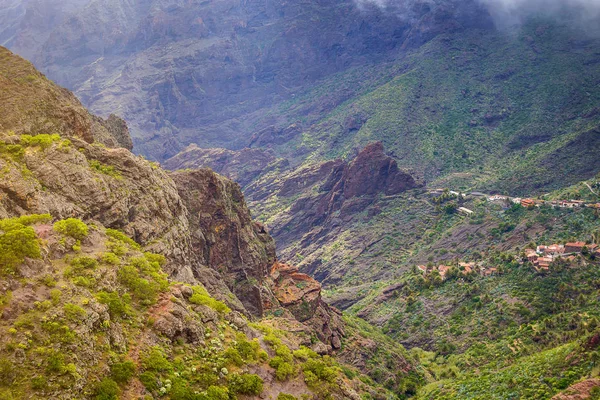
{"type": "Point", "coordinates": [508, 12]}
{"type": "Point", "coordinates": [513, 12]}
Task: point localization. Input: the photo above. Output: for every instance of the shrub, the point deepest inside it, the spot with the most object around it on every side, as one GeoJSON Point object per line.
{"type": "Point", "coordinates": [117, 306]}
{"type": "Point", "coordinates": [122, 372]}
{"type": "Point", "coordinates": [123, 238]}
{"type": "Point", "coordinates": [156, 361]}
{"type": "Point", "coordinates": [248, 350]}
{"type": "Point", "coordinates": [202, 297]}
{"type": "Point", "coordinates": [105, 169]}
{"type": "Point", "coordinates": [55, 362]}
{"type": "Point", "coordinates": [82, 263]}
{"type": "Point", "coordinates": [319, 370]}
{"type": "Point", "coordinates": [232, 356]}
{"type": "Point", "coordinates": [7, 371]}
{"type": "Point", "coordinates": [39, 382]}
{"type": "Point", "coordinates": [149, 380]}
{"type": "Point", "coordinates": [144, 279]}
{"type": "Point", "coordinates": [74, 312]}
{"type": "Point", "coordinates": [283, 369]}
{"type": "Point", "coordinates": [248, 384]}
{"type": "Point", "coordinates": [43, 140]}
{"type": "Point", "coordinates": [72, 227]}
{"type": "Point", "coordinates": [285, 396]}
{"type": "Point", "coordinates": [17, 241]}
{"type": "Point", "coordinates": [217, 393]}
{"type": "Point", "coordinates": [55, 296]}
{"type": "Point", "coordinates": [141, 288]}
{"type": "Point", "coordinates": [110, 259]}
{"type": "Point", "coordinates": [107, 390]}
{"type": "Point", "coordinates": [304, 353]}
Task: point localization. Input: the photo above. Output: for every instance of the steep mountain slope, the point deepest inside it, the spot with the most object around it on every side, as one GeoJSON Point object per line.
{"type": "Point", "coordinates": [107, 263]}
{"type": "Point", "coordinates": [208, 72]}
{"type": "Point", "coordinates": [26, 24]}
{"type": "Point", "coordinates": [476, 110]}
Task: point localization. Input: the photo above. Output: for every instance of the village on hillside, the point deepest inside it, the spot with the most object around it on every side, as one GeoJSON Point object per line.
{"type": "Point", "coordinates": [541, 259]}
{"type": "Point", "coordinates": [508, 200]}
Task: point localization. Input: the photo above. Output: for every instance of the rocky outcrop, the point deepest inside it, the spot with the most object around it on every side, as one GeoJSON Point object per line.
{"type": "Point", "coordinates": [223, 235]}
{"type": "Point", "coordinates": [300, 294]}
{"type": "Point", "coordinates": [579, 391]}
{"type": "Point", "coordinates": [327, 199]}
{"type": "Point", "coordinates": [321, 200]}
{"type": "Point", "coordinates": [31, 104]}
{"type": "Point", "coordinates": [118, 132]}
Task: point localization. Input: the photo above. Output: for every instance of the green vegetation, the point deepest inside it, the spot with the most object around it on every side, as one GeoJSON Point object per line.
{"type": "Point", "coordinates": [105, 169]}
{"type": "Point", "coordinates": [72, 227]}
{"type": "Point", "coordinates": [42, 140]}
{"type": "Point", "coordinates": [248, 384]}
{"type": "Point", "coordinates": [113, 297]}
{"type": "Point", "coordinates": [202, 297]}
{"type": "Point", "coordinates": [19, 240]}
{"type": "Point", "coordinates": [122, 238]}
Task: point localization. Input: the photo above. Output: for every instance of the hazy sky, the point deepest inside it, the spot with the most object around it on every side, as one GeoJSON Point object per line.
{"type": "Point", "coordinates": [511, 12]}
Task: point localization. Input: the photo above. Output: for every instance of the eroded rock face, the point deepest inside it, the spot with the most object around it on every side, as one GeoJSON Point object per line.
{"type": "Point", "coordinates": [197, 219]}
{"type": "Point", "coordinates": [31, 104]}
{"type": "Point", "coordinates": [322, 199]}
{"type": "Point", "coordinates": [300, 294]}
{"type": "Point", "coordinates": [329, 197]}
{"type": "Point", "coordinates": [223, 234]}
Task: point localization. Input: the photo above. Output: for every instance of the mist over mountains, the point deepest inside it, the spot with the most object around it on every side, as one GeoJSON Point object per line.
{"type": "Point", "coordinates": [507, 13]}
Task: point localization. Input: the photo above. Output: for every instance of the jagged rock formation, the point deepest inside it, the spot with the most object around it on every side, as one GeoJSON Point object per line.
{"type": "Point", "coordinates": [224, 237]}
{"type": "Point", "coordinates": [324, 198]}
{"type": "Point", "coordinates": [300, 294]}
{"type": "Point", "coordinates": [197, 219]}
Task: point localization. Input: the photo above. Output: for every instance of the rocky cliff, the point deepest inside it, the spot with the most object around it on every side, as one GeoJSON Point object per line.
{"type": "Point", "coordinates": [197, 219]}
{"type": "Point", "coordinates": [310, 206]}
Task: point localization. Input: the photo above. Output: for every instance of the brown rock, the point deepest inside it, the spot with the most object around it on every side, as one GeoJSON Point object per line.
{"type": "Point", "coordinates": [579, 391]}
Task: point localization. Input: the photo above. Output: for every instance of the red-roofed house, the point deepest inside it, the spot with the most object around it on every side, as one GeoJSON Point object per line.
{"type": "Point", "coordinates": [544, 262]}
{"type": "Point", "coordinates": [443, 270]}
{"type": "Point", "coordinates": [528, 203]}
{"type": "Point", "coordinates": [555, 249]}
{"type": "Point", "coordinates": [574, 247]}
{"type": "Point", "coordinates": [531, 255]}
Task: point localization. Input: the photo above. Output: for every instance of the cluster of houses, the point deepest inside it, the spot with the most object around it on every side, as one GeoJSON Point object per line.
{"type": "Point", "coordinates": [528, 203]}
{"type": "Point", "coordinates": [543, 256]}
{"type": "Point", "coordinates": [463, 268]}
{"type": "Point", "coordinates": [525, 202]}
